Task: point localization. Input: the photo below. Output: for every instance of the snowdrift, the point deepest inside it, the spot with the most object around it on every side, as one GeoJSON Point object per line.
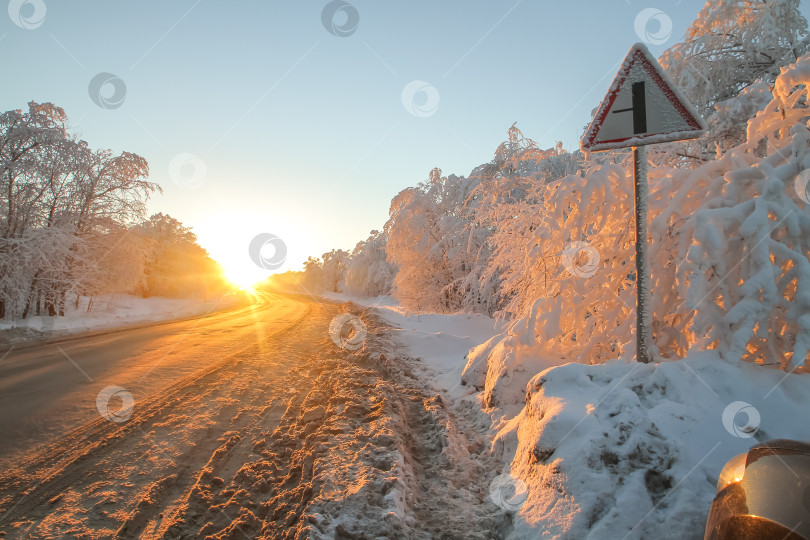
{"type": "Point", "coordinates": [628, 450]}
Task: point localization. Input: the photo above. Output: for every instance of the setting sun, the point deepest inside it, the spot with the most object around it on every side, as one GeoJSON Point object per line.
{"type": "Point", "coordinates": [243, 276]}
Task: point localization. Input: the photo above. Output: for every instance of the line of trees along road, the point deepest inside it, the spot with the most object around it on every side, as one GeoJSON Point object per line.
{"type": "Point", "coordinates": [542, 238]}
{"type": "Point", "coordinates": [72, 222]}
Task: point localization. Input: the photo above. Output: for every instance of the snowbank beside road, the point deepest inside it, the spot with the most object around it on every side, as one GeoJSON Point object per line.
{"type": "Point", "coordinates": [628, 450]}
{"type": "Point", "coordinates": [617, 450]}
{"type": "Point", "coordinates": [440, 341]}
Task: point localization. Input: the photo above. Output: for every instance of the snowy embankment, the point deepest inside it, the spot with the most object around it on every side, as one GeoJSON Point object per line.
{"type": "Point", "coordinates": [627, 450]}
{"type": "Point", "coordinates": [107, 312]}
{"type": "Point", "coordinates": [617, 450]}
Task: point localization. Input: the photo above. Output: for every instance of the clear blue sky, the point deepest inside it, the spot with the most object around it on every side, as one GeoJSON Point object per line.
{"type": "Point", "coordinates": [303, 133]}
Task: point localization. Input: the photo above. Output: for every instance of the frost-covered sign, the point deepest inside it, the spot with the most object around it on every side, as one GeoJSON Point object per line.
{"type": "Point", "coordinates": [641, 107]}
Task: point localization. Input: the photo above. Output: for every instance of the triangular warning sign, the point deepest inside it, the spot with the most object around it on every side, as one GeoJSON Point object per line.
{"type": "Point", "coordinates": [642, 106]}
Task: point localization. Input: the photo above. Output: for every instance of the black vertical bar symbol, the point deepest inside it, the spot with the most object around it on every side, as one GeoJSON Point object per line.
{"type": "Point", "coordinates": [639, 108]}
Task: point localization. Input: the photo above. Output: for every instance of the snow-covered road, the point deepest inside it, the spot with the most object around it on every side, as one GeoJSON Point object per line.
{"type": "Point", "coordinates": [254, 424]}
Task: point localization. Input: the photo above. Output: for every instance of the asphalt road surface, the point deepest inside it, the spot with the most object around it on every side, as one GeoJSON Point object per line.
{"type": "Point", "coordinates": [45, 391]}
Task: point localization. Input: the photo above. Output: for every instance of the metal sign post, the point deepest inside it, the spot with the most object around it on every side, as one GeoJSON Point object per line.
{"type": "Point", "coordinates": [658, 113]}
{"type": "Point", "coordinates": [643, 316]}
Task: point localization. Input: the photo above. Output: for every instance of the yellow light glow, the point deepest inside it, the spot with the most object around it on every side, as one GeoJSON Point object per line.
{"type": "Point", "coordinates": [243, 276]}
{"type": "Point", "coordinates": [227, 237]}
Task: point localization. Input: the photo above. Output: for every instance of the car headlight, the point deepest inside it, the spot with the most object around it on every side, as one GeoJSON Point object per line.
{"type": "Point", "coordinates": [732, 472]}
{"type": "Point", "coordinates": [763, 494]}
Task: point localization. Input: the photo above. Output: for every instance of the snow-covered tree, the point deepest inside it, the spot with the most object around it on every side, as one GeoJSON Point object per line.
{"type": "Point", "coordinates": [511, 207]}
{"type": "Point", "coordinates": [368, 272]}
{"type": "Point", "coordinates": [731, 44]}
{"type": "Point", "coordinates": [312, 279]}
{"type": "Point", "coordinates": [174, 264]}
{"type": "Point", "coordinates": [64, 213]}
{"type": "Point", "coordinates": [333, 270]}
{"type": "Point", "coordinates": [434, 243]}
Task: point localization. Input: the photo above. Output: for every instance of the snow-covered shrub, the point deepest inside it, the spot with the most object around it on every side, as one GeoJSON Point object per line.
{"type": "Point", "coordinates": [570, 292]}
{"type": "Point", "coordinates": [746, 275]}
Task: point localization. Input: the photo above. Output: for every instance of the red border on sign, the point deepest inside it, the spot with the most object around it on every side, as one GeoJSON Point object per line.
{"type": "Point", "coordinates": [638, 54]}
